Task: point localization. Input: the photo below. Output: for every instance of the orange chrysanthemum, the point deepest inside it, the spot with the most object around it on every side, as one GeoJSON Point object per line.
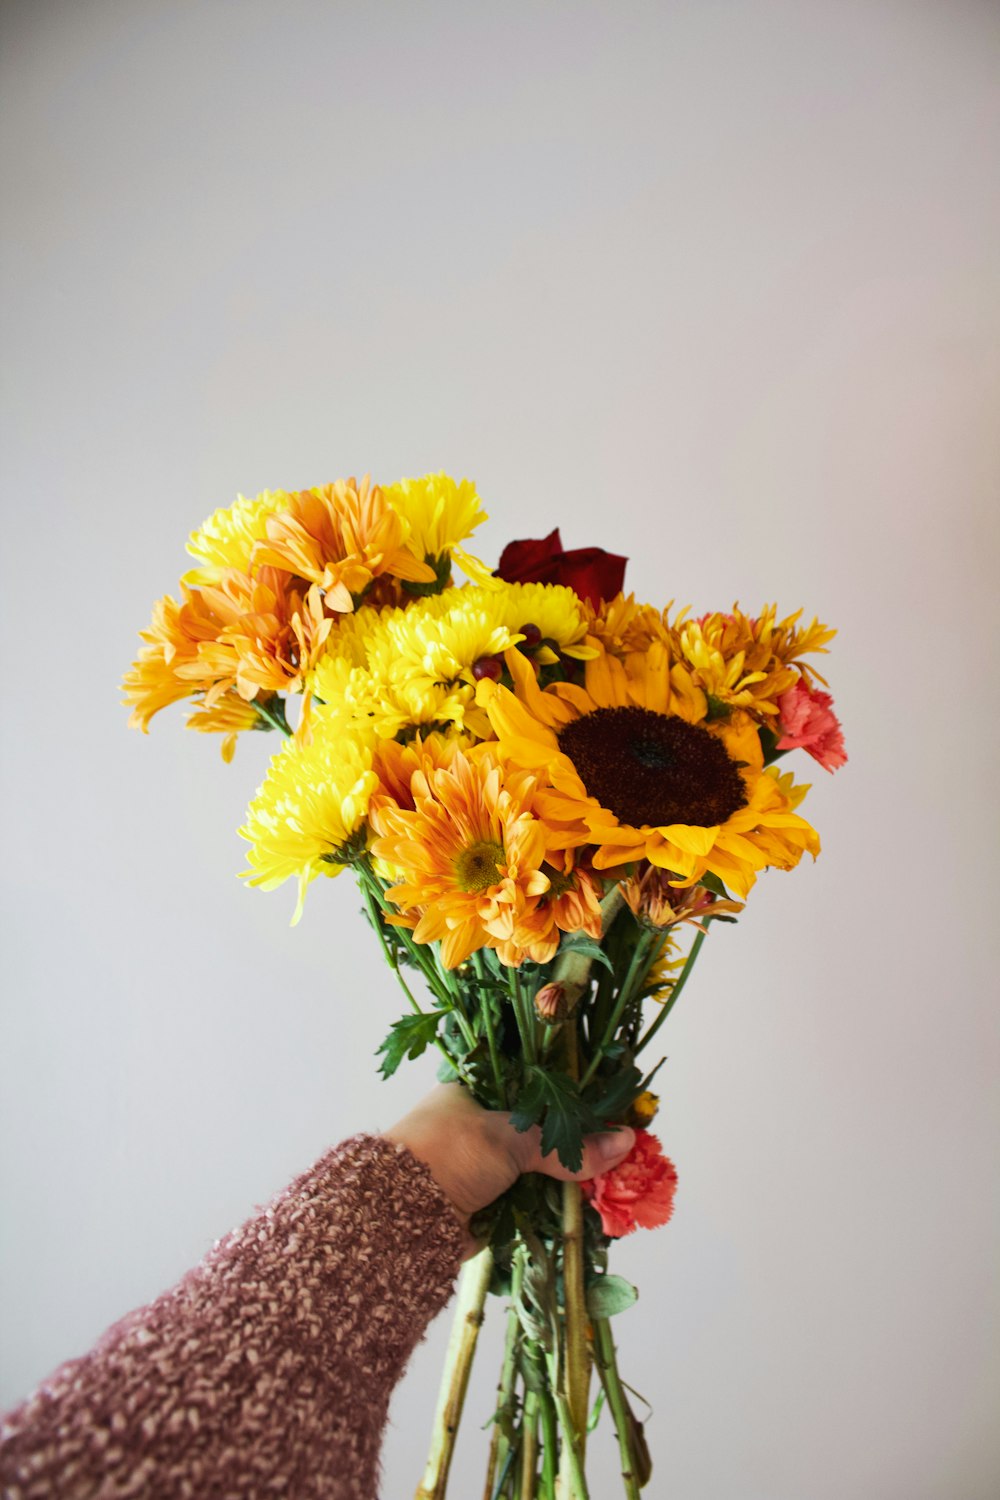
{"type": "Point", "coordinates": [179, 658]}
{"type": "Point", "coordinates": [631, 767]}
{"type": "Point", "coordinates": [341, 537]}
{"type": "Point", "coordinates": [655, 902]}
{"type": "Point", "coordinates": [571, 904]}
{"type": "Point", "coordinates": [467, 856]}
{"type": "Point", "coordinates": [275, 630]}
{"type": "Point", "coordinates": [229, 716]}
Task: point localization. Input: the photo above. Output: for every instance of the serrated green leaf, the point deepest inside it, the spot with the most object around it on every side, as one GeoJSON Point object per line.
{"type": "Point", "coordinates": [609, 1295]}
{"type": "Point", "coordinates": [554, 1100]}
{"type": "Point", "coordinates": [408, 1037]}
{"type": "Point", "coordinates": [530, 1102]}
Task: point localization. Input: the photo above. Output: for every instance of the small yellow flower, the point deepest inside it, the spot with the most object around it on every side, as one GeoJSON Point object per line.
{"type": "Point", "coordinates": [643, 1110]}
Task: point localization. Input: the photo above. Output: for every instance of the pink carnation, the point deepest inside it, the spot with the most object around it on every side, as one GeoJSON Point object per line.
{"type": "Point", "coordinates": [808, 722]}
{"type": "Point", "coordinates": [638, 1193]}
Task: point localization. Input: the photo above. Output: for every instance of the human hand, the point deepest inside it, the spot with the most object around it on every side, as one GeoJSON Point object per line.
{"type": "Point", "coordinates": [475, 1154]}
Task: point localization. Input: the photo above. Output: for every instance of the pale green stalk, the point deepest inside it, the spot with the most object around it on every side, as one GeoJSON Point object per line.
{"type": "Point", "coordinates": [607, 1364]}
{"type": "Point", "coordinates": [455, 1378]}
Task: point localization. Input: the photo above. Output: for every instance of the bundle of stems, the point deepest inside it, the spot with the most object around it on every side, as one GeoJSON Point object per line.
{"type": "Point", "coordinates": [544, 1252]}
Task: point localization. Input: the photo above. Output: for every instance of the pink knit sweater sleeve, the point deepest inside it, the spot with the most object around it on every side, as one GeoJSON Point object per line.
{"type": "Point", "coordinates": [268, 1370]}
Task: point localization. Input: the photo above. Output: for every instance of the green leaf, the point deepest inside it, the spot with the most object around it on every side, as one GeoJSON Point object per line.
{"type": "Point", "coordinates": [644, 1085]}
{"type": "Point", "coordinates": [554, 1100]}
{"type": "Point", "coordinates": [714, 884]}
{"type": "Point", "coordinates": [587, 948]}
{"type": "Point", "coordinates": [408, 1037]}
{"type": "Point", "coordinates": [609, 1295]}
{"type": "Point", "coordinates": [617, 1093]}
{"type": "Point", "coordinates": [447, 1072]}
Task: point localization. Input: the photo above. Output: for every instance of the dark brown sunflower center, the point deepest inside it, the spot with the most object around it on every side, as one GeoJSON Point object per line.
{"type": "Point", "coordinates": [653, 769]}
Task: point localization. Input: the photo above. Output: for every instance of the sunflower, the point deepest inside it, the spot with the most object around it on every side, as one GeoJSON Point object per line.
{"type": "Point", "coordinates": [440, 513]}
{"type": "Point", "coordinates": [633, 769]}
{"type": "Point", "coordinates": [308, 817]}
{"type": "Point", "coordinates": [342, 537]}
{"type": "Point", "coordinates": [227, 538]}
{"type": "Point", "coordinates": [467, 857]}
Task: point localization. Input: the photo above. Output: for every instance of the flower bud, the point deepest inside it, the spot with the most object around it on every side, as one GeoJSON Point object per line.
{"type": "Point", "coordinates": [550, 1004]}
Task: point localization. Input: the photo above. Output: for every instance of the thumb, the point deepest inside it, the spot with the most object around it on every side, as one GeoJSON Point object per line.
{"type": "Point", "coordinates": [600, 1154]}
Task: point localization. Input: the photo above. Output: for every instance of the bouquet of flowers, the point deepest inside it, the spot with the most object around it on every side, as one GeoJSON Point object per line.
{"type": "Point", "coordinates": [548, 793]}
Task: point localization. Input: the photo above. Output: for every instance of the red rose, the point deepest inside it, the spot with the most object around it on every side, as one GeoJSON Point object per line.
{"type": "Point", "coordinates": [589, 571]}
{"type": "Point", "coordinates": [638, 1193]}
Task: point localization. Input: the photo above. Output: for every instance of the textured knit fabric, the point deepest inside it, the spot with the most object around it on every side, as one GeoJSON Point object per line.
{"type": "Point", "coordinates": [268, 1370]}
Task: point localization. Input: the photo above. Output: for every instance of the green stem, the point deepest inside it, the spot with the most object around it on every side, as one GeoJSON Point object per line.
{"type": "Point", "coordinates": [550, 1445]}
{"type": "Point", "coordinates": [499, 1442]}
{"type": "Point", "coordinates": [607, 1364]}
{"type": "Point", "coordinates": [444, 991]}
{"type": "Point", "coordinates": [529, 1447]}
{"type": "Point", "coordinates": [571, 1449]}
{"type": "Point", "coordinates": [675, 993]}
{"type": "Point", "coordinates": [375, 913]}
{"type": "Point", "coordinates": [486, 1011]}
{"type": "Point", "coordinates": [637, 971]}
{"type": "Point", "coordinates": [525, 1017]}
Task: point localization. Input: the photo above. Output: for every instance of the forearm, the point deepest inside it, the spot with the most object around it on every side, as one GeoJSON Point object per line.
{"type": "Point", "coordinates": [274, 1360]}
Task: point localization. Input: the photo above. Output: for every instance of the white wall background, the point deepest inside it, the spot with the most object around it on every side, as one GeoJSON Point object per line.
{"type": "Point", "coordinates": [712, 284]}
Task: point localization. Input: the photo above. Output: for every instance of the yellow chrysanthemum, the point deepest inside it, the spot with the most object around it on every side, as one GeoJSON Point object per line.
{"type": "Point", "coordinates": [413, 668]}
{"type": "Point", "coordinates": [307, 818]}
{"type": "Point", "coordinates": [555, 611]}
{"type": "Point", "coordinates": [630, 770]}
{"type": "Point", "coordinates": [467, 856]}
{"type": "Point", "coordinates": [745, 661]}
{"type": "Point", "coordinates": [441, 513]}
{"type": "Point", "coordinates": [440, 639]}
{"type": "Point", "coordinates": [227, 538]}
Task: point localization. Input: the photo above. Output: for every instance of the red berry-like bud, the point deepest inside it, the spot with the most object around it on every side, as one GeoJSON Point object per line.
{"type": "Point", "coordinates": [488, 666]}
{"type": "Point", "coordinates": [532, 636]}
